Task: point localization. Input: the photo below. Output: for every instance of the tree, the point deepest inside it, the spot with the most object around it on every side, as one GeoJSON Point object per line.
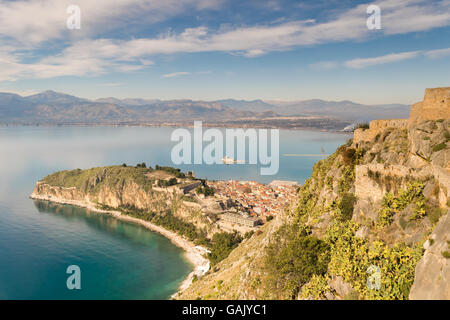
{"type": "Point", "coordinates": [222, 244]}
{"type": "Point", "coordinates": [293, 258]}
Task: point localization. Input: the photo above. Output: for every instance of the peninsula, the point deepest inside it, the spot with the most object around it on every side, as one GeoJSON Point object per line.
{"type": "Point", "coordinates": [206, 219]}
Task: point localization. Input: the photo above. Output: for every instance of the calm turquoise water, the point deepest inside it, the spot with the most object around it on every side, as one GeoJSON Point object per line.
{"type": "Point", "coordinates": [118, 260]}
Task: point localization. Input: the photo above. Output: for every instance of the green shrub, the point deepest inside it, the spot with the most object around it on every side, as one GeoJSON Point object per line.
{"type": "Point", "coordinates": [222, 244]}
{"type": "Point", "coordinates": [292, 259]}
{"type": "Point", "coordinates": [351, 258]}
{"type": "Point", "coordinates": [315, 288]}
{"type": "Point", "coordinates": [248, 234]}
{"type": "Point", "coordinates": [346, 205]}
{"type": "Point", "coordinates": [363, 126]}
{"type": "Point", "coordinates": [205, 190]}
{"type": "Point", "coordinates": [447, 135]}
{"type": "Point", "coordinates": [173, 171]}
{"type": "Point", "coordinates": [439, 147]}
{"type": "Point", "coordinates": [392, 204]}
{"type": "Point", "coordinates": [347, 155]}
{"type": "Point", "coordinates": [167, 183]}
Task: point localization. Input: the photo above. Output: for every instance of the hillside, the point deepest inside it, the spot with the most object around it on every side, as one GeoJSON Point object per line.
{"type": "Point", "coordinates": [371, 223]}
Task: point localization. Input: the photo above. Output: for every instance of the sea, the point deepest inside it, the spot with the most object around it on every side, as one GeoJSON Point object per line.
{"type": "Point", "coordinates": [39, 241]}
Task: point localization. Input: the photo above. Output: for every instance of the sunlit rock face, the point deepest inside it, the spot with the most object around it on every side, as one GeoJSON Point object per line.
{"type": "Point", "coordinates": [435, 106]}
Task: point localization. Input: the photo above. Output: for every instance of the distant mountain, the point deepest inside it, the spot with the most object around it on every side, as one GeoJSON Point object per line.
{"type": "Point", "coordinates": [254, 105]}
{"type": "Point", "coordinates": [53, 107]}
{"type": "Point", "coordinates": [343, 109]}
{"type": "Point", "coordinates": [347, 110]}
{"type": "Point", "coordinates": [52, 97]}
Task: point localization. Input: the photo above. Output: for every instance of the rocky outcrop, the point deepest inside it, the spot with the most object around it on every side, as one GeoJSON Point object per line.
{"type": "Point", "coordinates": [424, 139]}
{"type": "Point", "coordinates": [129, 194]}
{"type": "Point", "coordinates": [432, 277]}
{"type": "Point", "coordinates": [435, 106]}
{"type": "Point", "coordinates": [372, 181]}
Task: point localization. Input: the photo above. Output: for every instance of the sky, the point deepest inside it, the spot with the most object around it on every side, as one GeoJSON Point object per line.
{"type": "Point", "coordinates": [217, 49]}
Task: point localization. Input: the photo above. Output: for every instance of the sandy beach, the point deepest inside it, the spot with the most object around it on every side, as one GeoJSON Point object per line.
{"type": "Point", "coordinates": [194, 254]}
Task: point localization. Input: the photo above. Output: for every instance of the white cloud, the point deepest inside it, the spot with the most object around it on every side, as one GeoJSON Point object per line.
{"type": "Point", "coordinates": [37, 21]}
{"type": "Point", "coordinates": [22, 93]}
{"type": "Point", "coordinates": [360, 63]}
{"type": "Point", "coordinates": [404, 16]}
{"type": "Point", "coordinates": [176, 74]}
{"type": "Point", "coordinates": [389, 58]}
{"type": "Point", "coordinates": [32, 22]}
{"type": "Point", "coordinates": [435, 54]}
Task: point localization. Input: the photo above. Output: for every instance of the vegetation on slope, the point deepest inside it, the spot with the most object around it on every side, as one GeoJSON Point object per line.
{"type": "Point", "coordinates": [92, 180]}
{"type": "Point", "coordinates": [222, 244]}
{"type": "Point", "coordinates": [292, 259]}
{"type": "Point", "coordinates": [332, 245]}
{"type": "Point", "coordinates": [306, 263]}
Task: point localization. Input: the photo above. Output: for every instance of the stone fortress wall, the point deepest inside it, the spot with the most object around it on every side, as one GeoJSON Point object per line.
{"type": "Point", "coordinates": [435, 106]}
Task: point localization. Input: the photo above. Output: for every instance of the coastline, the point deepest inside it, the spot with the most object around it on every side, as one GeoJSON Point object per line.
{"type": "Point", "coordinates": [174, 125]}
{"type": "Point", "coordinates": [192, 252]}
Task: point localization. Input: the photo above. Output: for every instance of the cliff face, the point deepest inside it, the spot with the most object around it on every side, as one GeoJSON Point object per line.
{"type": "Point", "coordinates": [371, 223]}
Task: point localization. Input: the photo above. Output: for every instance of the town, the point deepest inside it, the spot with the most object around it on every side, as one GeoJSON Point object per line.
{"type": "Point", "coordinates": [248, 204]}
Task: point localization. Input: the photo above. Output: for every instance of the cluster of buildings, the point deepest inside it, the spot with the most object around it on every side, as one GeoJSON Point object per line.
{"type": "Point", "coordinates": [254, 199]}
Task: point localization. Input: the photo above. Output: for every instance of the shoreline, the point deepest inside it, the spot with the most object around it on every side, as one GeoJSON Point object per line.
{"type": "Point", "coordinates": [175, 125]}
{"type": "Point", "coordinates": [192, 252]}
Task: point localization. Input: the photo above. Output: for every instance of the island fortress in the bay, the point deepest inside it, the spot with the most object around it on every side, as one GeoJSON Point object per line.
{"type": "Point", "coordinates": [380, 202]}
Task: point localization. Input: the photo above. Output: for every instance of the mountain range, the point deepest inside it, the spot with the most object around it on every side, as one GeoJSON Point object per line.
{"type": "Point", "coordinates": [51, 107]}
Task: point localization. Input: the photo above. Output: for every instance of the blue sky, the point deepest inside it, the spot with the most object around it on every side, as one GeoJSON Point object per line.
{"type": "Point", "coordinates": [214, 49]}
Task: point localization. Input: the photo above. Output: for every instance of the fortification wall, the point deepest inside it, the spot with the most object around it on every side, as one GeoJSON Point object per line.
{"type": "Point", "coordinates": [435, 106]}
{"type": "Point", "coordinates": [376, 127]}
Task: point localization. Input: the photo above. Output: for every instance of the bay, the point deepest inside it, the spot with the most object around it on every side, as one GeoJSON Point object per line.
{"type": "Point", "coordinates": [118, 260]}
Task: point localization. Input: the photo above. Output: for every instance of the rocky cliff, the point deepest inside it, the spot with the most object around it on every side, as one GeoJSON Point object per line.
{"type": "Point", "coordinates": [371, 223]}
{"type": "Point", "coordinates": [128, 189]}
